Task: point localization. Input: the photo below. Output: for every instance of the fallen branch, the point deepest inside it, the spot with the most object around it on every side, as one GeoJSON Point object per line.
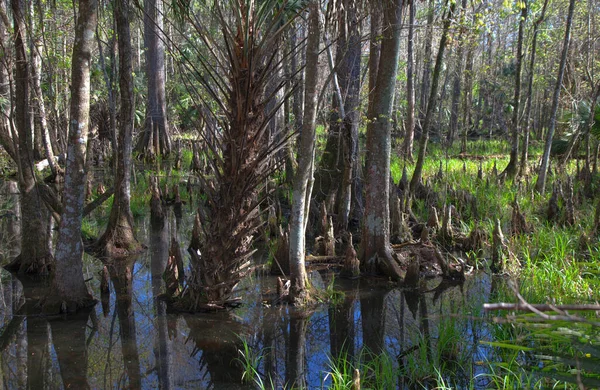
{"type": "Point", "coordinates": [324, 259]}
{"type": "Point", "coordinates": [538, 307]}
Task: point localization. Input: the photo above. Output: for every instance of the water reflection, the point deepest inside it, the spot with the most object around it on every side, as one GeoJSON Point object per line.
{"type": "Point", "coordinates": [134, 343]}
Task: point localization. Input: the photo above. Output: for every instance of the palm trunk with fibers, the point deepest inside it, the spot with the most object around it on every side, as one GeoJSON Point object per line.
{"type": "Point", "coordinates": [524, 152]}
{"type": "Point", "coordinates": [306, 154]}
{"type": "Point", "coordinates": [376, 250]}
{"type": "Point", "coordinates": [69, 291]}
{"type": "Point", "coordinates": [222, 241]}
{"type": "Point", "coordinates": [119, 238]}
{"type": "Point", "coordinates": [34, 257]}
{"type": "Point", "coordinates": [433, 100]}
{"type": "Point", "coordinates": [540, 185]}
{"type": "Point", "coordinates": [511, 168]}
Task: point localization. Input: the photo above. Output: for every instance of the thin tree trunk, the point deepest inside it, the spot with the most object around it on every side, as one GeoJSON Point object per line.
{"type": "Point", "coordinates": [36, 70]}
{"type": "Point", "coordinates": [119, 238]}
{"type": "Point", "coordinates": [511, 168]}
{"type": "Point", "coordinates": [540, 185]}
{"type": "Point", "coordinates": [376, 233]}
{"type": "Point", "coordinates": [433, 100]}
{"type": "Point", "coordinates": [458, 76]}
{"type": "Point", "coordinates": [524, 152]}
{"type": "Point", "coordinates": [306, 152]}
{"type": "Point", "coordinates": [410, 86]}
{"type": "Point", "coordinates": [34, 257]}
{"type": "Point", "coordinates": [427, 60]}
{"type": "Point", "coordinates": [350, 74]}
{"type": "Point", "coordinates": [69, 291]}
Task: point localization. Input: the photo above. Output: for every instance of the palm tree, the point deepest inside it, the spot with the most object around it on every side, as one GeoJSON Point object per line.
{"type": "Point", "coordinates": [241, 149]}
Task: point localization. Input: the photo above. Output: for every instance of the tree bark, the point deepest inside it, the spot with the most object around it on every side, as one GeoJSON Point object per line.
{"type": "Point", "coordinates": [350, 79]}
{"type": "Point", "coordinates": [540, 184]}
{"type": "Point", "coordinates": [306, 152]}
{"type": "Point", "coordinates": [34, 257]}
{"type": "Point", "coordinates": [119, 238]}
{"type": "Point", "coordinates": [155, 139]}
{"type": "Point", "coordinates": [69, 291]}
{"type": "Point", "coordinates": [376, 232]}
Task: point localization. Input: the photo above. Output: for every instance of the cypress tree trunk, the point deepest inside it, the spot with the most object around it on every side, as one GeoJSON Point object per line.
{"type": "Point", "coordinates": [375, 235]}
{"type": "Point", "coordinates": [69, 291]}
{"type": "Point", "coordinates": [155, 139]}
{"type": "Point", "coordinates": [306, 151]}
{"type": "Point", "coordinates": [119, 238]}
{"type": "Point", "coordinates": [350, 78]}
{"type": "Point", "coordinates": [35, 257]}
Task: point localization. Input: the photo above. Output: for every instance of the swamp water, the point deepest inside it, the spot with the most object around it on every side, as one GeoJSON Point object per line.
{"type": "Point", "coordinates": [130, 341]}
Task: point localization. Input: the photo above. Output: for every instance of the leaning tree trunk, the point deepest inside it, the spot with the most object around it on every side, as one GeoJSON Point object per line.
{"type": "Point", "coordinates": [540, 185]}
{"type": "Point", "coordinates": [433, 100]}
{"type": "Point", "coordinates": [511, 168]}
{"type": "Point", "coordinates": [119, 238]}
{"type": "Point", "coordinates": [40, 106]}
{"type": "Point", "coordinates": [35, 257]}
{"type": "Point", "coordinates": [155, 139]}
{"type": "Point", "coordinates": [306, 153]}
{"type": "Point", "coordinates": [376, 233]}
{"type": "Point", "coordinates": [524, 152]}
{"type": "Point", "coordinates": [69, 291]}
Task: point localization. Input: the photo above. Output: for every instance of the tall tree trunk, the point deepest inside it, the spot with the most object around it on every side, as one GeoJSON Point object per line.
{"type": "Point", "coordinates": [458, 75]}
{"type": "Point", "coordinates": [376, 251]}
{"type": "Point", "coordinates": [119, 238]}
{"type": "Point", "coordinates": [540, 185]}
{"type": "Point", "coordinates": [69, 291]}
{"type": "Point", "coordinates": [34, 257]}
{"type": "Point", "coordinates": [155, 139]}
{"type": "Point", "coordinates": [511, 168]}
{"type": "Point", "coordinates": [427, 59]}
{"type": "Point", "coordinates": [433, 99]}
{"type": "Point", "coordinates": [38, 98]}
{"type": "Point", "coordinates": [306, 151]}
{"type": "Point", "coordinates": [7, 140]}
{"type": "Point", "coordinates": [350, 78]}
{"type": "Point", "coordinates": [410, 86]}
{"type": "Point", "coordinates": [524, 152]}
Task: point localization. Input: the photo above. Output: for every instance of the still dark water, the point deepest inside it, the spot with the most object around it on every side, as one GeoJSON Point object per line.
{"type": "Point", "coordinates": [130, 341]}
